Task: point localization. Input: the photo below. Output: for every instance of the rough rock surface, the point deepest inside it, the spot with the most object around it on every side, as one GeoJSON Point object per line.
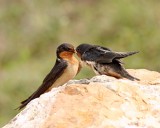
{"type": "Point", "coordinates": [101, 102]}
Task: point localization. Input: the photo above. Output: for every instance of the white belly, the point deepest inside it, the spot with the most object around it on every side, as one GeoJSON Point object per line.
{"type": "Point", "coordinates": [92, 64]}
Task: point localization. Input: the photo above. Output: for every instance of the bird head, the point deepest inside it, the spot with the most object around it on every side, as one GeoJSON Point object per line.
{"type": "Point", "coordinates": [65, 48]}
{"type": "Point", "coordinates": [82, 48]}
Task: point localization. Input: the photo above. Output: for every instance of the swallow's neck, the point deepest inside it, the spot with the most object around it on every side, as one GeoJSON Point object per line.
{"type": "Point", "coordinates": [69, 57]}
{"type": "Point", "coordinates": [66, 55]}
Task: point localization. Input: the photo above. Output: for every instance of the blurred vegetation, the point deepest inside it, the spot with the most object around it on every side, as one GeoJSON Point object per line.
{"type": "Point", "coordinates": [30, 31]}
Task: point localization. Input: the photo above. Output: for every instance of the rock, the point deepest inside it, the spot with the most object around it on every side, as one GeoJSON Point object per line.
{"type": "Point", "coordinates": [101, 102]}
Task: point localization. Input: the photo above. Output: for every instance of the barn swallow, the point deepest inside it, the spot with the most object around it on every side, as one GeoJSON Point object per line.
{"type": "Point", "coordinates": [103, 61]}
{"type": "Point", "coordinates": [66, 67]}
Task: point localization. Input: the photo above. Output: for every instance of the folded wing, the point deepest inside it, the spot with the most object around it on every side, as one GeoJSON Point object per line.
{"type": "Point", "coordinates": [54, 74]}
{"type": "Point", "coordinates": [104, 55]}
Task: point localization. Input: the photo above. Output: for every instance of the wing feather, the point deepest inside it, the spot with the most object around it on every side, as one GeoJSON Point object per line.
{"type": "Point", "coordinates": [53, 75]}
{"type": "Point", "coordinates": [104, 55]}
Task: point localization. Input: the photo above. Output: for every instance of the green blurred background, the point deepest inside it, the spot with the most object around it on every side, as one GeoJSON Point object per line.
{"type": "Point", "coordinates": [30, 31]}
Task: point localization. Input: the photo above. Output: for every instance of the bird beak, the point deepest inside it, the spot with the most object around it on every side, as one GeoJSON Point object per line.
{"type": "Point", "coordinates": [72, 50]}
{"type": "Point", "coordinates": [78, 54]}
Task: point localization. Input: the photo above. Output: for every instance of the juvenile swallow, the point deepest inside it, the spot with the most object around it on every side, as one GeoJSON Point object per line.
{"type": "Point", "coordinates": [66, 67]}
{"type": "Point", "coordinates": [103, 61]}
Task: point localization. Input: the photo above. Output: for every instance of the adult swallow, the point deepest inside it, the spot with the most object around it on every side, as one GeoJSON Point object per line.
{"type": "Point", "coordinates": [66, 67]}
{"type": "Point", "coordinates": [103, 61]}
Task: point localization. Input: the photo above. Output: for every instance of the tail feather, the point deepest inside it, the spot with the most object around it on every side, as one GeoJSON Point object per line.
{"type": "Point", "coordinates": [25, 102]}
{"type": "Point", "coordinates": [128, 76]}
{"type": "Point", "coordinates": [124, 54]}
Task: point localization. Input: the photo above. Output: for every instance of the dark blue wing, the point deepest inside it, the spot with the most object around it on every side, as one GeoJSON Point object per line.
{"type": "Point", "coordinates": [103, 55]}
{"type": "Point", "coordinates": [54, 74]}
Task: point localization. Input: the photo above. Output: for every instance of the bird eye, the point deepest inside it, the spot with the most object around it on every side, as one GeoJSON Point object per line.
{"type": "Point", "coordinates": [67, 48]}
{"type": "Point", "coordinates": [77, 49]}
